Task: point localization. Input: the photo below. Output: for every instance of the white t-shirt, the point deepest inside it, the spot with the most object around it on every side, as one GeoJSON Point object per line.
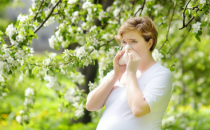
{"type": "Point", "coordinates": [156, 86]}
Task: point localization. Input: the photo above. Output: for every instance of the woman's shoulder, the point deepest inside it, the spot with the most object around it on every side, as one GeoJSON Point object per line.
{"type": "Point", "coordinates": [162, 70]}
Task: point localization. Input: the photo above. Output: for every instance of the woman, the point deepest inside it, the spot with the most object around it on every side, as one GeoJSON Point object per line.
{"type": "Point", "coordinates": [136, 95]}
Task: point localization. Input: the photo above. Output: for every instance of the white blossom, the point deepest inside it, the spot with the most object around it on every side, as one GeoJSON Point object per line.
{"type": "Point", "coordinates": [51, 20]}
{"type": "Point", "coordinates": [34, 4]}
{"type": "Point", "coordinates": [72, 1]}
{"type": "Point", "coordinates": [57, 33]}
{"type": "Point", "coordinates": [25, 117]}
{"type": "Point", "coordinates": [79, 78]}
{"type": "Point", "coordinates": [10, 60]}
{"type": "Point", "coordinates": [156, 55]}
{"type": "Point", "coordinates": [28, 101]}
{"type": "Point", "coordinates": [11, 30]}
{"type": "Point", "coordinates": [92, 39]}
{"type": "Point", "coordinates": [47, 12]}
{"type": "Point", "coordinates": [116, 12]}
{"type": "Point", "coordinates": [21, 111]}
{"type": "Point", "coordinates": [52, 81]}
{"type": "Point", "coordinates": [69, 95]}
{"type": "Point", "coordinates": [86, 5]}
{"type": "Point", "coordinates": [196, 27]}
{"type": "Point", "coordinates": [61, 68]}
{"type": "Point", "coordinates": [75, 13]}
{"type": "Point", "coordinates": [92, 86]}
{"type": "Point", "coordinates": [19, 54]}
{"type": "Point", "coordinates": [61, 26]}
{"type": "Point", "coordinates": [31, 51]}
{"type": "Point", "coordinates": [1, 78]}
{"type": "Point", "coordinates": [29, 91]}
{"type": "Point", "coordinates": [4, 94]}
{"type": "Point", "coordinates": [80, 52]}
{"type": "Point", "coordinates": [207, 17]}
{"type": "Point", "coordinates": [52, 55]}
{"type": "Point", "coordinates": [22, 18]}
{"type": "Point", "coordinates": [79, 29]}
{"type": "Point", "coordinates": [70, 29]}
{"type": "Point", "coordinates": [101, 15]}
{"type": "Point", "coordinates": [79, 112]}
{"type": "Point", "coordinates": [2, 66]}
{"type": "Point", "coordinates": [92, 28]}
{"type": "Point", "coordinates": [83, 25]}
{"type": "Point", "coordinates": [110, 53]}
{"type": "Point", "coordinates": [6, 55]}
{"type": "Point", "coordinates": [79, 109]}
{"type": "Point", "coordinates": [52, 41]}
{"type": "Point", "coordinates": [157, 8]}
{"type": "Point", "coordinates": [47, 61]}
{"type": "Point", "coordinates": [202, 2]}
{"type": "Point", "coordinates": [19, 119]}
{"type": "Point", "coordinates": [20, 37]}
{"type": "Point", "coordinates": [54, 1]}
{"type": "Point", "coordinates": [31, 13]}
{"type": "Point", "coordinates": [20, 78]}
{"type": "Point", "coordinates": [94, 9]}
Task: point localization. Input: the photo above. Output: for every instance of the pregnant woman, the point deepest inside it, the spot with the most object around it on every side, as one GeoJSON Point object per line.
{"type": "Point", "coordinates": [137, 93]}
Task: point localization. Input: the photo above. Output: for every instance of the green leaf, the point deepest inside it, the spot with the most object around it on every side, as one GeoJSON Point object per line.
{"type": "Point", "coordinates": [198, 37]}
{"type": "Point", "coordinates": [172, 68]}
{"type": "Point", "coordinates": [186, 12]}
{"type": "Point", "coordinates": [200, 6]}
{"type": "Point", "coordinates": [39, 19]}
{"type": "Point", "coordinates": [31, 32]}
{"type": "Point", "coordinates": [35, 70]}
{"type": "Point", "coordinates": [42, 15]}
{"type": "Point", "coordinates": [1, 33]}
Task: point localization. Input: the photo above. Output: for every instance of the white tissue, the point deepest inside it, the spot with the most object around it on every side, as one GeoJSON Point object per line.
{"type": "Point", "coordinates": [124, 59]}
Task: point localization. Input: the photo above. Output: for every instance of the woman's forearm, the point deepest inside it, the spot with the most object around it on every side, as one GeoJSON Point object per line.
{"type": "Point", "coordinates": [134, 94]}
{"type": "Point", "coordinates": [97, 97]}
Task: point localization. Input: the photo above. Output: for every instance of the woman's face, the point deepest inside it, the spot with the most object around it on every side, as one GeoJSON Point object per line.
{"type": "Point", "coordinates": [136, 42]}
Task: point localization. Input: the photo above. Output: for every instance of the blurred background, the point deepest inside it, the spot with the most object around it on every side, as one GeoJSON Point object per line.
{"type": "Point", "coordinates": [189, 108]}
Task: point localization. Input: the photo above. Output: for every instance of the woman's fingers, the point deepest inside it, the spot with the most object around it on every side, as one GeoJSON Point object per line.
{"type": "Point", "coordinates": [119, 55]}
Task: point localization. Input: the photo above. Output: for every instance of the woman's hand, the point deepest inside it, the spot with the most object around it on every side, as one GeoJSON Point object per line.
{"type": "Point", "coordinates": [133, 62]}
{"type": "Point", "coordinates": [119, 69]}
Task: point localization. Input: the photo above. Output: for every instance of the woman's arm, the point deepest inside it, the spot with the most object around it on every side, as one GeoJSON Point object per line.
{"type": "Point", "coordinates": [97, 97]}
{"type": "Point", "coordinates": [138, 105]}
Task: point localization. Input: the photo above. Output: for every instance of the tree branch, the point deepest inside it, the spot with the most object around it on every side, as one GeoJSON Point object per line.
{"type": "Point", "coordinates": [141, 8]}
{"type": "Point", "coordinates": [168, 28]}
{"type": "Point", "coordinates": [38, 10]}
{"type": "Point", "coordinates": [47, 16]}
{"type": "Point", "coordinates": [195, 7]}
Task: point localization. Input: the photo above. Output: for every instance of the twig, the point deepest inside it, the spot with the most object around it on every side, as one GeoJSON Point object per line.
{"type": "Point", "coordinates": [47, 16]}
{"type": "Point", "coordinates": [168, 28]}
{"type": "Point", "coordinates": [141, 8]}
{"type": "Point", "coordinates": [195, 7]}
{"type": "Point", "coordinates": [38, 10]}
{"type": "Point", "coordinates": [103, 44]}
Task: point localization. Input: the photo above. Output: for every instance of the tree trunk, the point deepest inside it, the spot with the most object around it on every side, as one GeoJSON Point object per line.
{"type": "Point", "coordinates": [89, 71]}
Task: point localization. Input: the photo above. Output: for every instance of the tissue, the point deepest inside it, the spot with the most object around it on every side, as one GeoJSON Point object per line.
{"type": "Point", "coordinates": [124, 59]}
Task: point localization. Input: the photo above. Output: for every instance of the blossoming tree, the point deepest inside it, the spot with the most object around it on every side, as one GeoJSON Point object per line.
{"type": "Point", "coordinates": [76, 20]}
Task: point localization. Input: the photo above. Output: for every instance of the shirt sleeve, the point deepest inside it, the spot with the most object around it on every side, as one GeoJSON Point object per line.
{"type": "Point", "coordinates": [158, 88]}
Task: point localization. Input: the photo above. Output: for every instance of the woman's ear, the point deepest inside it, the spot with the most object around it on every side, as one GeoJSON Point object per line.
{"type": "Point", "coordinates": [151, 41]}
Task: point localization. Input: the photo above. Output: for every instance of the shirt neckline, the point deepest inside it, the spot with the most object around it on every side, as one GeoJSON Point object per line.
{"type": "Point", "coordinates": [140, 75]}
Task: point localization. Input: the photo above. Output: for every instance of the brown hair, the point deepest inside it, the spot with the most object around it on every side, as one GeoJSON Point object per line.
{"type": "Point", "coordinates": [144, 25]}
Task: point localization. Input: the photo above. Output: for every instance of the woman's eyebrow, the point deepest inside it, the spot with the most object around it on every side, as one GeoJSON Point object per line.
{"type": "Point", "coordinates": [130, 39]}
